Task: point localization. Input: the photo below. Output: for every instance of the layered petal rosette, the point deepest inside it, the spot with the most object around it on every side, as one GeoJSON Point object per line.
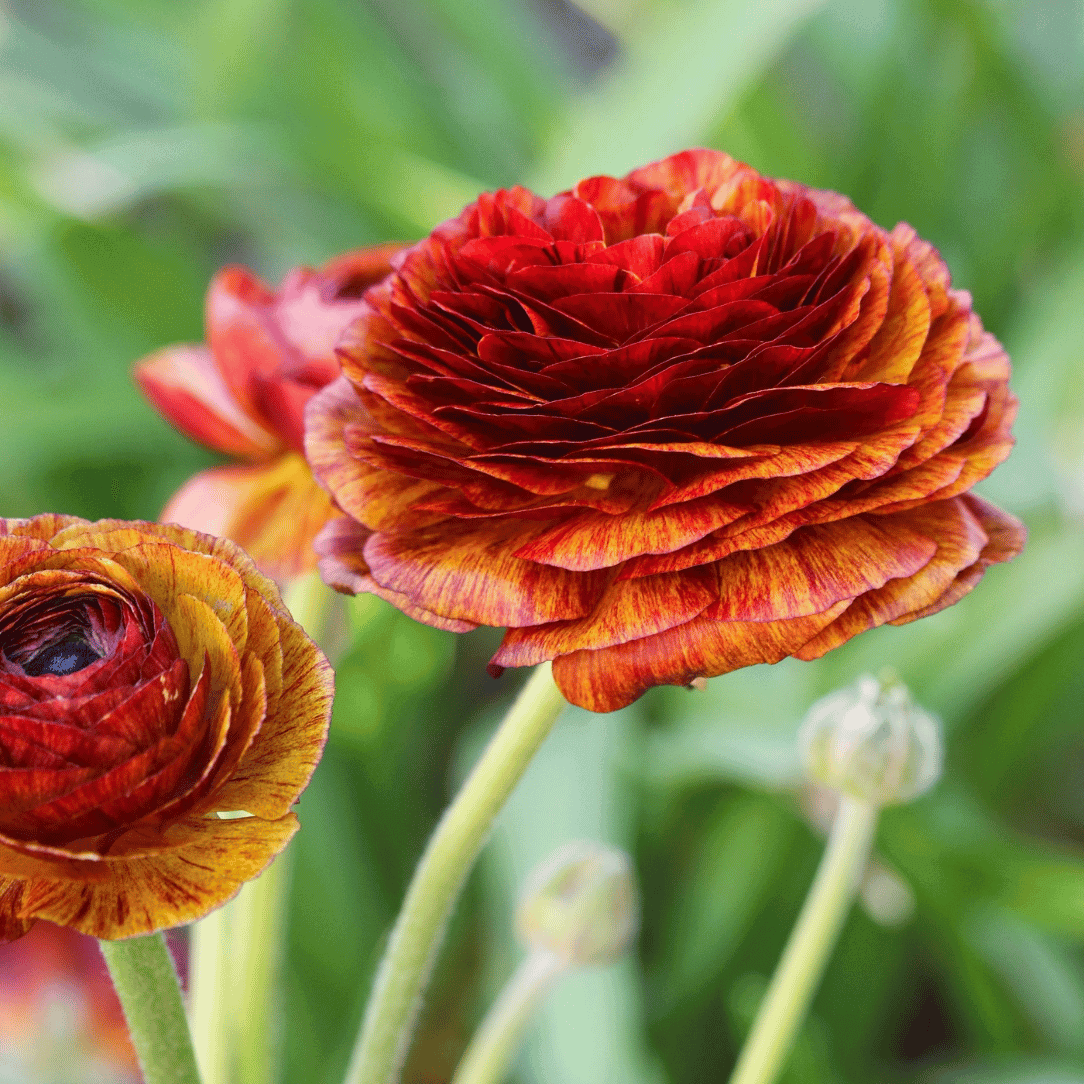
{"type": "Point", "coordinates": [150, 679]}
{"type": "Point", "coordinates": [244, 394]}
{"type": "Point", "coordinates": [664, 426]}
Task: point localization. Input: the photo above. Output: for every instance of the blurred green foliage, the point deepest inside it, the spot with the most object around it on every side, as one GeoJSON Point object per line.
{"type": "Point", "coordinates": [143, 143]}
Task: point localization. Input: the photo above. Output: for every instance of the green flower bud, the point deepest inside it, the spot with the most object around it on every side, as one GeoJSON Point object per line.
{"type": "Point", "coordinates": [581, 905]}
{"type": "Point", "coordinates": [872, 742]}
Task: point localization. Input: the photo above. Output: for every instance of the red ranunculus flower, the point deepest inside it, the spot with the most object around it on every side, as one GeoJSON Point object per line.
{"type": "Point", "coordinates": [244, 394]}
{"type": "Point", "coordinates": [150, 678]}
{"type": "Point", "coordinates": [663, 427]}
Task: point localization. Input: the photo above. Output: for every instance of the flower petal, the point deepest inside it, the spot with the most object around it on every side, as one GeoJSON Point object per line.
{"type": "Point", "coordinates": [273, 771]}
{"type": "Point", "coordinates": [817, 567]}
{"type": "Point", "coordinates": [628, 610]}
{"type": "Point", "coordinates": [184, 385]}
{"type": "Point", "coordinates": [613, 677]}
{"type": "Point", "coordinates": [273, 510]}
{"type": "Point", "coordinates": [207, 862]}
{"type": "Point", "coordinates": [343, 567]}
{"type": "Point", "coordinates": [472, 573]}
{"type": "Point", "coordinates": [12, 925]}
{"type": "Point", "coordinates": [960, 540]}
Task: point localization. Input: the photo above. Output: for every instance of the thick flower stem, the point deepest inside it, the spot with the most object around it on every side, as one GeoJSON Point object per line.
{"type": "Point", "coordinates": [494, 1045]}
{"type": "Point", "coordinates": [397, 991]}
{"type": "Point", "coordinates": [810, 945]}
{"type": "Point", "coordinates": [146, 983]}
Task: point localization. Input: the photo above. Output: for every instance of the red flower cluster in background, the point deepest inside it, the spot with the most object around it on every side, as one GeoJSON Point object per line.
{"type": "Point", "coordinates": [664, 426]}
{"type": "Point", "coordinates": [244, 394]}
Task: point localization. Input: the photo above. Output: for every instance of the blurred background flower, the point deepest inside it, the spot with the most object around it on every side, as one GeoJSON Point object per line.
{"type": "Point", "coordinates": [244, 395]}
{"type": "Point", "coordinates": [146, 143]}
{"type": "Point", "coordinates": [60, 1021]}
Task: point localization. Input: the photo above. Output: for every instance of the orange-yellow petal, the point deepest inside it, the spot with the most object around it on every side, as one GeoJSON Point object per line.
{"type": "Point", "coordinates": [206, 864]}
{"type": "Point", "coordinates": [274, 510]}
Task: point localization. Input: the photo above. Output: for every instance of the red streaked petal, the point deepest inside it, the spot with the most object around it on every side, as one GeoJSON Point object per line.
{"type": "Point", "coordinates": [343, 567]}
{"type": "Point", "coordinates": [960, 541]}
{"type": "Point", "coordinates": [817, 567]}
{"type": "Point", "coordinates": [185, 386]}
{"type": "Point", "coordinates": [470, 572]}
{"type": "Point", "coordinates": [12, 925]}
{"type": "Point", "coordinates": [203, 865]}
{"type": "Point", "coordinates": [628, 610]}
{"type": "Point", "coordinates": [595, 540]}
{"type": "Point", "coordinates": [613, 677]}
{"type": "Point", "coordinates": [273, 771]}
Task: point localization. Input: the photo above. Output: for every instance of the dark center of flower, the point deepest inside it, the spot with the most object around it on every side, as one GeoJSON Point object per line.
{"type": "Point", "coordinates": [68, 655]}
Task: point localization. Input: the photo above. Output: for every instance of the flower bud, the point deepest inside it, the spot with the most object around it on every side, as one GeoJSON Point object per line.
{"type": "Point", "coordinates": [873, 742]}
{"type": "Point", "coordinates": [581, 904]}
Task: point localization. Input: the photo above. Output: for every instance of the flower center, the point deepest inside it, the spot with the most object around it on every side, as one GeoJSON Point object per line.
{"type": "Point", "coordinates": [65, 656]}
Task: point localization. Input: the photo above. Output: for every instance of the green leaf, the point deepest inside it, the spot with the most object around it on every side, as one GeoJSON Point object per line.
{"type": "Point", "coordinates": [679, 70]}
{"type": "Point", "coordinates": [727, 881]}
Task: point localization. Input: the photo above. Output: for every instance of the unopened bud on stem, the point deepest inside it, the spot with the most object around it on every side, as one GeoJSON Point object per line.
{"type": "Point", "coordinates": [581, 905]}
{"type": "Point", "coordinates": [872, 742]}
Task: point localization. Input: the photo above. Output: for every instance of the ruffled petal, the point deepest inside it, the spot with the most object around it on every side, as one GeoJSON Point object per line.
{"type": "Point", "coordinates": [205, 865]}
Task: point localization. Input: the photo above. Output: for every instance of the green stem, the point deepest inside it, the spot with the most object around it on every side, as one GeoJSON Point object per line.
{"type": "Point", "coordinates": [210, 1005]}
{"type": "Point", "coordinates": [811, 943]}
{"type": "Point", "coordinates": [494, 1045]}
{"type": "Point", "coordinates": [259, 918]}
{"type": "Point", "coordinates": [311, 604]}
{"type": "Point", "coordinates": [385, 1035]}
{"type": "Point", "coordinates": [146, 983]}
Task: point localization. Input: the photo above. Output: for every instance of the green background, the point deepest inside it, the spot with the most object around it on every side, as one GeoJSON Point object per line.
{"type": "Point", "coordinates": [144, 143]}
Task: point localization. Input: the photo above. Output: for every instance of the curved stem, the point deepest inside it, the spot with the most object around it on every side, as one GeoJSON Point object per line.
{"type": "Point", "coordinates": [385, 1035]}
{"type": "Point", "coordinates": [146, 983]}
{"type": "Point", "coordinates": [494, 1044]}
{"type": "Point", "coordinates": [811, 943]}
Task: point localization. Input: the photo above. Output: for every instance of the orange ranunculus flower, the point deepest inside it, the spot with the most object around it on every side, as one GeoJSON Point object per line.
{"type": "Point", "coordinates": [150, 678]}
{"type": "Point", "coordinates": [665, 426]}
{"type": "Point", "coordinates": [244, 394]}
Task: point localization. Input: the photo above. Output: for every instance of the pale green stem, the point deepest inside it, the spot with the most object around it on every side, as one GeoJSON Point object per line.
{"type": "Point", "coordinates": [259, 920]}
{"type": "Point", "coordinates": [494, 1045]}
{"type": "Point", "coordinates": [146, 983]}
{"type": "Point", "coordinates": [811, 943]}
{"type": "Point", "coordinates": [385, 1035]}
{"type": "Point", "coordinates": [210, 1004]}
{"type": "Point", "coordinates": [310, 603]}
